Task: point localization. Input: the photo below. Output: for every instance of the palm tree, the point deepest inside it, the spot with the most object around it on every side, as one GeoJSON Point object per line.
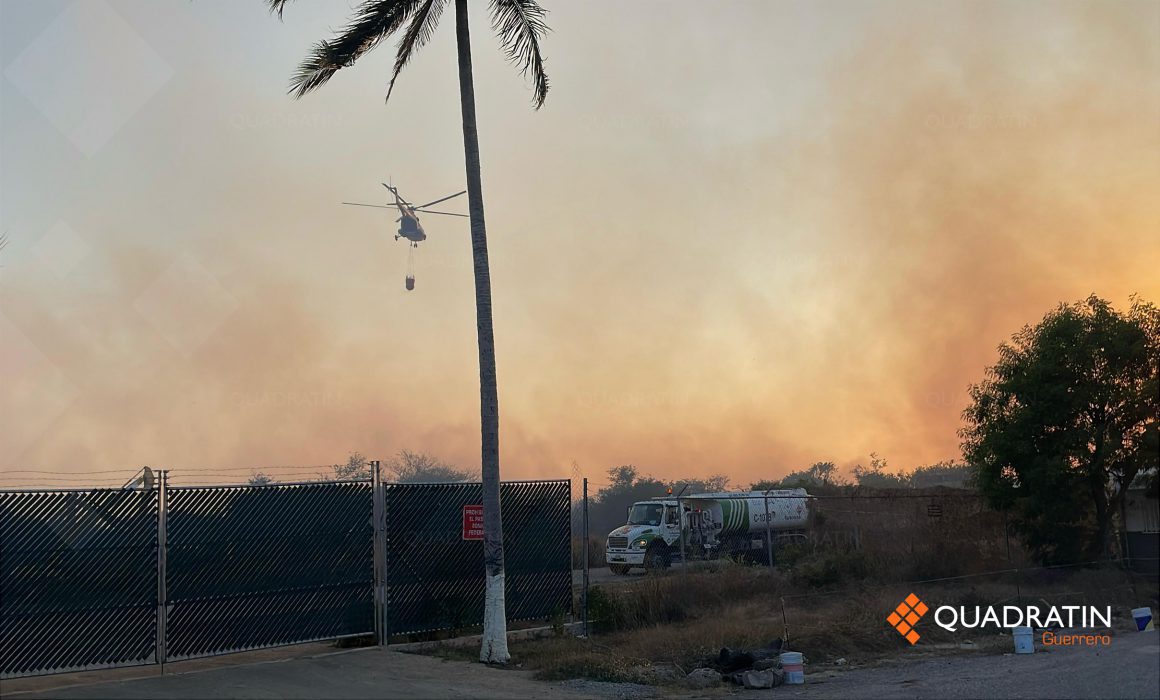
{"type": "Point", "coordinates": [520, 26]}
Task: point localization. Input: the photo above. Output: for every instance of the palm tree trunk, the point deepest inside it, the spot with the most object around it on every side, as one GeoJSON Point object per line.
{"type": "Point", "coordinates": [494, 649]}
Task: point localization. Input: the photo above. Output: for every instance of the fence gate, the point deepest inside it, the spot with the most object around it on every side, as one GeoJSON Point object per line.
{"type": "Point", "coordinates": [78, 580]}
{"type": "Point", "coordinates": [434, 576]}
{"type": "Point", "coordinates": [259, 566]}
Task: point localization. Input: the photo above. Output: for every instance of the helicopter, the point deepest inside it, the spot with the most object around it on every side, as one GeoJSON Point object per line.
{"type": "Point", "coordinates": [409, 226]}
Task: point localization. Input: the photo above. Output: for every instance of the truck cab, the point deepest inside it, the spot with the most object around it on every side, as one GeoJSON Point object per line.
{"type": "Point", "coordinates": [652, 533]}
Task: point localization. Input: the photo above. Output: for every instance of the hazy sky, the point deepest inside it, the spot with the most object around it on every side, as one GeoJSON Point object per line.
{"type": "Point", "coordinates": [737, 239]}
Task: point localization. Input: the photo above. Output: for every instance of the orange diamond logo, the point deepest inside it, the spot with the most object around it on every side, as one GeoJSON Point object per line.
{"type": "Point", "coordinates": [906, 615]}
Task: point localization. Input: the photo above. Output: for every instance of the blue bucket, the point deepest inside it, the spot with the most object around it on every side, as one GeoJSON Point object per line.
{"type": "Point", "coordinates": [1143, 618]}
{"type": "Point", "coordinates": [1024, 640]}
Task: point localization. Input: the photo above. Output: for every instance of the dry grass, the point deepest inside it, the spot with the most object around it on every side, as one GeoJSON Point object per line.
{"type": "Point", "coordinates": [677, 596]}
{"type": "Point", "coordinates": [686, 618]}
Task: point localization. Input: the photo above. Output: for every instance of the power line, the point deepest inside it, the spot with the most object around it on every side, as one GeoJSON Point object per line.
{"type": "Point", "coordinates": [41, 471]}
{"type": "Point", "coordinates": [172, 470]}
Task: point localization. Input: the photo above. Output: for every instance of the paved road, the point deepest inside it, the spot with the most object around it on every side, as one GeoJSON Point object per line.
{"type": "Point", "coordinates": [602, 576]}
{"type": "Point", "coordinates": [358, 673]}
{"type": "Point", "coordinates": [1129, 668]}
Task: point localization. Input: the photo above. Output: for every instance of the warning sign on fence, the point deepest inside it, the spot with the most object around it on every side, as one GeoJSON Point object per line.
{"type": "Point", "coordinates": [473, 522]}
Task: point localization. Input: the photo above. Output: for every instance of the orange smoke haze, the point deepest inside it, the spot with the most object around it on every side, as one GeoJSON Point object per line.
{"type": "Point", "coordinates": [802, 247]}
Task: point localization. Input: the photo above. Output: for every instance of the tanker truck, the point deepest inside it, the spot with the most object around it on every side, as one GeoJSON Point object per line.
{"type": "Point", "coordinates": [714, 525]}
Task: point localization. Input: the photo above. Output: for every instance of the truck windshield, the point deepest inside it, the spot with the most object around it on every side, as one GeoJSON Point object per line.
{"type": "Point", "coordinates": [645, 514]}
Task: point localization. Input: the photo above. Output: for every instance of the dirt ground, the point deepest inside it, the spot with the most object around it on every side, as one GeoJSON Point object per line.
{"type": "Point", "coordinates": [1129, 668]}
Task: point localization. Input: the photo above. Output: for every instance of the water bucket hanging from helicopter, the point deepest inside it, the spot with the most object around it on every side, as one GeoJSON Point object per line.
{"type": "Point", "coordinates": [410, 282]}
{"type": "Point", "coordinates": [409, 226]}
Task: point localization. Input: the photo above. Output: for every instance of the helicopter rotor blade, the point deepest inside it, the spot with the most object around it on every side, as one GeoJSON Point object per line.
{"type": "Point", "coordinates": [395, 192]}
{"type": "Point", "coordinates": [376, 206]}
{"type": "Point", "coordinates": [444, 213]}
{"type": "Point", "coordinates": [450, 196]}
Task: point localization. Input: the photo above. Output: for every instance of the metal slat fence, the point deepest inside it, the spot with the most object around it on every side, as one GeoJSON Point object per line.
{"type": "Point", "coordinates": [259, 566]}
{"type": "Point", "coordinates": [102, 578]}
{"type": "Point", "coordinates": [430, 582]}
{"type": "Point", "coordinates": [78, 580]}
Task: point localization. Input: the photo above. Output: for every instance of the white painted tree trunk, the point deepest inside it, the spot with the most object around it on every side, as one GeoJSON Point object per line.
{"type": "Point", "coordinates": [495, 647]}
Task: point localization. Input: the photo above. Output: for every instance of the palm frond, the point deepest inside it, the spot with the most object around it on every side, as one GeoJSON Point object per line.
{"type": "Point", "coordinates": [520, 25]}
{"type": "Point", "coordinates": [373, 21]}
{"type": "Point", "coordinates": [418, 33]}
{"type": "Point", "coordinates": [277, 6]}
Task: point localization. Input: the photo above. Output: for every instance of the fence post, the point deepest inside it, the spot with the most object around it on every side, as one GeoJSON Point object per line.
{"type": "Point", "coordinates": [768, 533]}
{"type": "Point", "coordinates": [162, 547]}
{"type": "Point", "coordinates": [1018, 570]}
{"type": "Point", "coordinates": [1125, 550]}
{"type": "Point", "coordinates": [380, 555]}
{"type": "Point", "coordinates": [784, 626]}
{"type": "Point", "coordinates": [584, 592]}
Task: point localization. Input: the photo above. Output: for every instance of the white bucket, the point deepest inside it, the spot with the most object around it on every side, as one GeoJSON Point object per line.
{"type": "Point", "coordinates": [1024, 642]}
{"type": "Point", "coordinates": [791, 664]}
{"type": "Point", "coordinates": [1143, 618]}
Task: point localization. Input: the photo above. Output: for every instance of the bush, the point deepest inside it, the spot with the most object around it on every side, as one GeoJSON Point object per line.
{"type": "Point", "coordinates": [789, 555]}
{"type": "Point", "coordinates": [938, 561]}
{"type": "Point", "coordinates": [827, 569]}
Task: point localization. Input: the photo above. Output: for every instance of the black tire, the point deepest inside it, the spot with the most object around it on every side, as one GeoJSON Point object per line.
{"type": "Point", "coordinates": [657, 558]}
{"type": "Point", "coordinates": [619, 569]}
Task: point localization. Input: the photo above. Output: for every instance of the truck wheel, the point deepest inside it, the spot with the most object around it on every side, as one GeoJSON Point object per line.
{"type": "Point", "coordinates": [618, 569]}
{"type": "Point", "coordinates": [656, 558]}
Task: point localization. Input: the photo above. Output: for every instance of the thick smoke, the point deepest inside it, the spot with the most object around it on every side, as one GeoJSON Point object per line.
{"type": "Point", "coordinates": [703, 262]}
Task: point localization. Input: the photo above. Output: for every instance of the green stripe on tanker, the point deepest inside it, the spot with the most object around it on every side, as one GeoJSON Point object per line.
{"type": "Point", "coordinates": [735, 515]}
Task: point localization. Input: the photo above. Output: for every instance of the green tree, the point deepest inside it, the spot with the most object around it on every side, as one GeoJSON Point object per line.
{"type": "Point", "coordinates": [945, 473]}
{"type": "Point", "coordinates": [824, 472]}
{"type": "Point", "coordinates": [608, 509]}
{"type": "Point", "coordinates": [876, 475]}
{"type": "Point", "coordinates": [1064, 421]}
{"type": "Point", "coordinates": [817, 474]}
{"type": "Point", "coordinates": [520, 26]}
{"type": "Point", "coordinates": [711, 484]}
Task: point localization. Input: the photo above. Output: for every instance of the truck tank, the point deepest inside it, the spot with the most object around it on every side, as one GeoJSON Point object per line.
{"type": "Point", "coordinates": [744, 512]}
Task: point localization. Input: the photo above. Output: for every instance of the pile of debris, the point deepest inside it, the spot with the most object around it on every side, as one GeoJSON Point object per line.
{"type": "Point", "coordinates": [759, 668]}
